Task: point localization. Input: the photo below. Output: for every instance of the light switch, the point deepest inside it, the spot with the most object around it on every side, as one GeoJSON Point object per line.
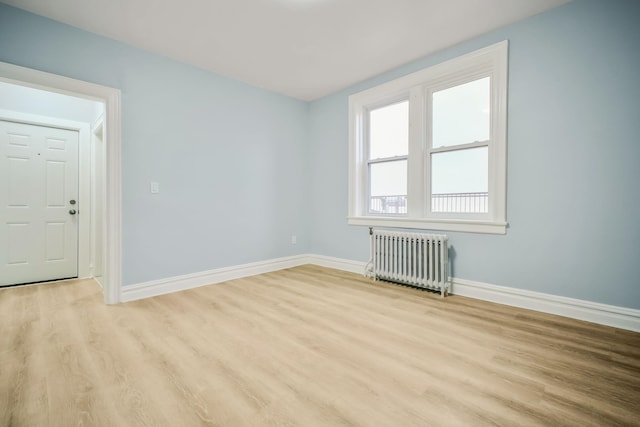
{"type": "Point", "coordinates": [155, 187]}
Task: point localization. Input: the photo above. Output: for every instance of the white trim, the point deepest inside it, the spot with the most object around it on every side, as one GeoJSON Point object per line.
{"type": "Point", "coordinates": [84, 202]}
{"type": "Point", "coordinates": [112, 269]}
{"type": "Point", "coordinates": [111, 97]}
{"type": "Point", "coordinates": [36, 119]}
{"type": "Point", "coordinates": [470, 226]}
{"type": "Point", "coordinates": [188, 281]}
{"type": "Point", "coordinates": [337, 263]}
{"type": "Point", "coordinates": [97, 158]}
{"type": "Point", "coordinates": [603, 314]}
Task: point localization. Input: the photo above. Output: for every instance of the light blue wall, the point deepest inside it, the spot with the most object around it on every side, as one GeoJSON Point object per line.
{"type": "Point", "coordinates": [242, 169]}
{"type": "Point", "coordinates": [573, 159]}
{"type": "Point", "coordinates": [231, 159]}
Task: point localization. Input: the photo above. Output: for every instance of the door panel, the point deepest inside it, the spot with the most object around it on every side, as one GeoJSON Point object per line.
{"type": "Point", "coordinates": [55, 241]}
{"type": "Point", "coordinates": [18, 234]}
{"type": "Point", "coordinates": [19, 182]}
{"type": "Point", "coordinates": [55, 184]}
{"type": "Point", "coordinates": [38, 178]}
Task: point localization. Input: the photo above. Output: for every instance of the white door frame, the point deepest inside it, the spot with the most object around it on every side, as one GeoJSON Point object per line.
{"type": "Point", "coordinates": [112, 250]}
{"type": "Point", "coordinates": [97, 156]}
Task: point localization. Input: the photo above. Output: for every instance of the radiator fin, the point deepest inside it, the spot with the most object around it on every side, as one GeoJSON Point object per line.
{"type": "Point", "coordinates": [415, 259]}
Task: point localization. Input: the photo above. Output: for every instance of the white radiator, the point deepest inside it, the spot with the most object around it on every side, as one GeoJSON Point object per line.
{"type": "Point", "coordinates": [415, 259]}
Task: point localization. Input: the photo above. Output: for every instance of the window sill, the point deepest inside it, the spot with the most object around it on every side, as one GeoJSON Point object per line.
{"type": "Point", "coordinates": [465, 226]}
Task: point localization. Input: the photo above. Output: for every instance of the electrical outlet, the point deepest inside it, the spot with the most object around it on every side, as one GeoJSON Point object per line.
{"type": "Point", "coordinates": [294, 240]}
{"type": "Point", "coordinates": [154, 187]}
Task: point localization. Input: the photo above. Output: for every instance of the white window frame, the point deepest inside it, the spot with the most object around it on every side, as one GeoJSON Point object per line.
{"type": "Point", "coordinates": [490, 61]}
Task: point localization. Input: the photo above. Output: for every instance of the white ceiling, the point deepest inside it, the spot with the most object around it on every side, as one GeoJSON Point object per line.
{"type": "Point", "coordinates": [302, 48]}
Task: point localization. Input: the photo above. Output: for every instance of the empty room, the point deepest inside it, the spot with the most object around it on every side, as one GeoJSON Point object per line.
{"type": "Point", "coordinates": [319, 213]}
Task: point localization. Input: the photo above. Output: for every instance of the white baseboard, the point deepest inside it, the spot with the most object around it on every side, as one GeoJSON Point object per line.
{"type": "Point", "coordinates": [337, 263]}
{"type": "Point", "coordinates": [188, 281]}
{"type": "Point", "coordinates": [610, 315]}
{"type": "Point", "coordinates": [603, 314]}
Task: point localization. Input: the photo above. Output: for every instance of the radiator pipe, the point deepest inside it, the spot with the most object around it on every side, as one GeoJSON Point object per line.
{"type": "Point", "coordinates": [368, 268]}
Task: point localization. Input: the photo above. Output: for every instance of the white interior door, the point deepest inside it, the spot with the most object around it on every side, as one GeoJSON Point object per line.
{"type": "Point", "coordinates": [38, 220]}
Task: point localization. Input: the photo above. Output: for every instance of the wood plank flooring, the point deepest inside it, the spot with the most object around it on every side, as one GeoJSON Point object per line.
{"type": "Point", "coordinates": [307, 346]}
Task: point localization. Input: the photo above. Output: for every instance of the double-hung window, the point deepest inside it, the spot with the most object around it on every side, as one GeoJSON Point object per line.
{"type": "Point", "coordinates": [428, 150]}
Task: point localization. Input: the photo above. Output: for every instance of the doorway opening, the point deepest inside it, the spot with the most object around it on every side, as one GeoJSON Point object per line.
{"type": "Point", "coordinates": [51, 155]}
{"type": "Point", "coordinates": [93, 111]}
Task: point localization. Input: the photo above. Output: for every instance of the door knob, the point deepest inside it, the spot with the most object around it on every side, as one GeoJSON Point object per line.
{"type": "Point", "coordinates": [72, 211]}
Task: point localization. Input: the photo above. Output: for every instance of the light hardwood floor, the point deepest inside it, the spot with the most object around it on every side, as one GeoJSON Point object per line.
{"type": "Point", "coordinates": [306, 346]}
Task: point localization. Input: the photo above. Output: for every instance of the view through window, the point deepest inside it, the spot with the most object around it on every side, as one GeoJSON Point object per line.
{"type": "Point", "coordinates": [428, 150]}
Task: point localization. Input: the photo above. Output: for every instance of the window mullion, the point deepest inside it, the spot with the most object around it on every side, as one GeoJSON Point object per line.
{"type": "Point", "coordinates": [363, 155]}
{"type": "Point", "coordinates": [426, 158]}
{"type": "Point", "coordinates": [415, 163]}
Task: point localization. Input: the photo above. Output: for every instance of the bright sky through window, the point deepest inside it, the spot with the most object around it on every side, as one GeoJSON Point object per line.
{"type": "Point", "coordinates": [460, 171]}
{"type": "Point", "coordinates": [444, 170]}
{"type": "Point", "coordinates": [461, 114]}
{"type": "Point", "coordinates": [389, 131]}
